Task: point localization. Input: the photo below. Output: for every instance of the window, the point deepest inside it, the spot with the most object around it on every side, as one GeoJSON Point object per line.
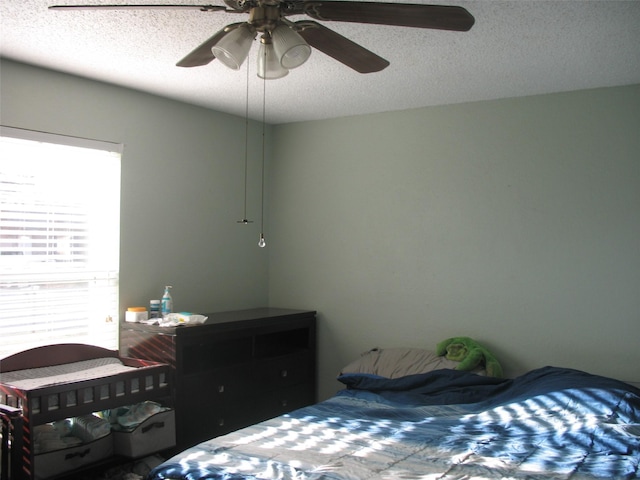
{"type": "Point", "coordinates": [59, 240]}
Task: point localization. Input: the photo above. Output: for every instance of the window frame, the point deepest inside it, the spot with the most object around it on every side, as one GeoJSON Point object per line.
{"type": "Point", "coordinates": [99, 280]}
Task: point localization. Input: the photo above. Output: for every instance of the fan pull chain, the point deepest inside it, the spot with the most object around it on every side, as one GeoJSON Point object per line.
{"type": "Point", "coordinates": [246, 151]}
{"type": "Point", "coordinates": [261, 241]}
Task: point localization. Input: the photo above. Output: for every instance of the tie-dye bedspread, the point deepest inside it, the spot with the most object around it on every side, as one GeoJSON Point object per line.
{"type": "Point", "coordinates": [550, 423]}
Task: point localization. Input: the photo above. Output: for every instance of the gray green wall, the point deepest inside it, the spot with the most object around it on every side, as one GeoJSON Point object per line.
{"type": "Point", "coordinates": [515, 222]}
{"type": "Point", "coordinates": [182, 185]}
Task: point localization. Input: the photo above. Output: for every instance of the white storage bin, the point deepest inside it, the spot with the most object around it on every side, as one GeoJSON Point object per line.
{"type": "Point", "coordinates": [156, 433]}
{"type": "Point", "coordinates": [65, 460]}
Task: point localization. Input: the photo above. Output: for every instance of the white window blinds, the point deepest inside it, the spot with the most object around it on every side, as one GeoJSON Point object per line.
{"type": "Point", "coordinates": [59, 240]}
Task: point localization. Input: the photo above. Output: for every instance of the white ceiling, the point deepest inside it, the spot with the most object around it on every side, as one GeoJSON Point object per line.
{"type": "Point", "coordinates": [515, 48]}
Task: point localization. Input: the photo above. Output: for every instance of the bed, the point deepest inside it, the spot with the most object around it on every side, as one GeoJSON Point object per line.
{"type": "Point", "coordinates": [550, 423]}
{"type": "Point", "coordinates": [61, 381]}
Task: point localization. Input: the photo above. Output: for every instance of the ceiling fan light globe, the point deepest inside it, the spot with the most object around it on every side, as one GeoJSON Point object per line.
{"type": "Point", "coordinates": [233, 48]}
{"type": "Point", "coordinates": [269, 66]}
{"type": "Point", "coordinates": [296, 56]}
{"type": "Point", "coordinates": [291, 49]}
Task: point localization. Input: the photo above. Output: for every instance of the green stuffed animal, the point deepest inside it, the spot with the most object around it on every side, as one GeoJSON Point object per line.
{"type": "Point", "coordinates": [470, 354]}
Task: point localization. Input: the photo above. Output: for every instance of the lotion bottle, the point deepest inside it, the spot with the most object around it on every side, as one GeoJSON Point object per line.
{"type": "Point", "coordinates": [167, 301]}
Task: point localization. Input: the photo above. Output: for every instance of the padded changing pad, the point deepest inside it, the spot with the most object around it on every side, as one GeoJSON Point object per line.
{"type": "Point", "coordinates": [66, 373]}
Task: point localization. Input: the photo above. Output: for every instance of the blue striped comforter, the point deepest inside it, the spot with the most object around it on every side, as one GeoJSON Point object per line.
{"type": "Point", "coordinates": [551, 423]}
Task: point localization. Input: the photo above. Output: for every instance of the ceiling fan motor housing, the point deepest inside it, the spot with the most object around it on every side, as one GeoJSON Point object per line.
{"type": "Point", "coordinates": [264, 18]}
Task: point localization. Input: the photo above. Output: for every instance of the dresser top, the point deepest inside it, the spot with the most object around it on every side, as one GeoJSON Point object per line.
{"type": "Point", "coordinates": [231, 320]}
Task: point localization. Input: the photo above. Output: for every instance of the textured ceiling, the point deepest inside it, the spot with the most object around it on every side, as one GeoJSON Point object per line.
{"type": "Point", "coordinates": [515, 48]}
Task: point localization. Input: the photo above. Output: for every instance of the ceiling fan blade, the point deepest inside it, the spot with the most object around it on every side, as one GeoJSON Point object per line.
{"type": "Point", "coordinates": [203, 55]}
{"type": "Point", "coordinates": [441, 17]}
{"type": "Point", "coordinates": [202, 8]}
{"type": "Point", "coordinates": [340, 48]}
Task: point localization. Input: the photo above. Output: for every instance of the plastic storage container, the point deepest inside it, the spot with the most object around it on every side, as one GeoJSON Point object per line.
{"type": "Point", "coordinates": [136, 314]}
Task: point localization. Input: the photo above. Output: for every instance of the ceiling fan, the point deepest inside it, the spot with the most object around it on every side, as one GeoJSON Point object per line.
{"type": "Point", "coordinates": [286, 44]}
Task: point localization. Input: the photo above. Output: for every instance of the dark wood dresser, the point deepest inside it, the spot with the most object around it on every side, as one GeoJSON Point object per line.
{"type": "Point", "coordinates": [236, 369]}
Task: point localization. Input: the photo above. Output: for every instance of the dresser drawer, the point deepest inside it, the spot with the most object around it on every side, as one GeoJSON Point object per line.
{"type": "Point", "coordinates": [282, 372]}
{"type": "Point", "coordinates": [261, 406]}
{"type": "Point", "coordinates": [287, 399]}
{"type": "Point", "coordinates": [210, 421]}
{"type": "Point", "coordinates": [228, 383]}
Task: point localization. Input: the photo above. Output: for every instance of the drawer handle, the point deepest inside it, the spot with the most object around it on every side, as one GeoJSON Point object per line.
{"type": "Point", "coordinates": [284, 373]}
{"type": "Point", "coordinates": [153, 425]}
{"type": "Point", "coordinates": [284, 403]}
{"type": "Point", "coordinates": [221, 422]}
{"type": "Point", "coordinates": [220, 388]}
{"type": "Point", "coordinates": [69, 456]}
